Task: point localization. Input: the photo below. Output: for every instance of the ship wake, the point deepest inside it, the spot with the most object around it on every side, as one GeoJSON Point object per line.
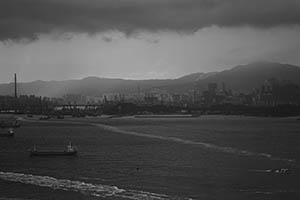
{"type": "Point", "coordinates": [214, 147]}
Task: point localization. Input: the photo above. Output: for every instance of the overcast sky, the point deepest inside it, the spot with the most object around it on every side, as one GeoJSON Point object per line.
{"type": "Point", "coordinates": [142, 39]}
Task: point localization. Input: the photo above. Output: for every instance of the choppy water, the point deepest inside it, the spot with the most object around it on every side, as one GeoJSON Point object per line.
{"type": "Point", "coordinates": [154, 159]}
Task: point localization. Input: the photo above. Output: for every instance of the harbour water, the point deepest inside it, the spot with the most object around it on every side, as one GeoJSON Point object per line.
{"type": "Point", "coordinates": [209, 157]}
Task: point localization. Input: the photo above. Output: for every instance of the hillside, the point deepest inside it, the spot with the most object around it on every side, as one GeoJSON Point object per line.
{"type": "Point", "coordinates": [246, 77]}
{"type": "Point", "coordinates": [240, 78]}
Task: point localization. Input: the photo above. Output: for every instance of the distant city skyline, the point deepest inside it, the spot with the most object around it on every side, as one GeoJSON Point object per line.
{"type": "Point", "coordinates": [140, 39]}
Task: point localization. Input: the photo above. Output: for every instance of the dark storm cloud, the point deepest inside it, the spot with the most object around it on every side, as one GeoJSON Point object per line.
{"type": "Point", "coordinates": [28, 18]}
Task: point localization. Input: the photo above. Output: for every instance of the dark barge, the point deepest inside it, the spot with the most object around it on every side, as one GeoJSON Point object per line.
{"type": "Point", "coordinates": [70, 151]}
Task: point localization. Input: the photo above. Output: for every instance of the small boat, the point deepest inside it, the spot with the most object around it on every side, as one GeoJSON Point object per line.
{"type": "Point", "coordinates": [281, 171]}
{"type": "Point", "coordinates": [16, 124]}
{"type": "Point", "coordinates": [44, 117]}
{"type": "Point", "coordinates": [69, 151]}
{"type": "Point", "coordinates": [10, 133]}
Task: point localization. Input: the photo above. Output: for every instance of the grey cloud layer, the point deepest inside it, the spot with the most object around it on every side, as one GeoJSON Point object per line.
{"type": "Point", "coordinates": [28, 18]}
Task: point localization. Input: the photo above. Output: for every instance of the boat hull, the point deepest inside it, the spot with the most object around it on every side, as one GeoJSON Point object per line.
{"type": "Point", "coordinates": [52, 153]}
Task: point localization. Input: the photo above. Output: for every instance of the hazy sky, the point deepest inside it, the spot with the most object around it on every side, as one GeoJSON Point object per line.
{"type": "Point", "coordinates": [138, 39]}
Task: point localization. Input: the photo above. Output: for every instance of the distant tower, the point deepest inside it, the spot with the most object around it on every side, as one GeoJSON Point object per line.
{"type": "Point", "coordinates": [16, 86]}
{"type": "Point", "coordinates": [139, 93]}
{"type": "Point", "coordinates": [212, 87]}
{"type": "Point", "coordinates": [223, 87]}
{"type": "Point", "coordinates": [16, 96]}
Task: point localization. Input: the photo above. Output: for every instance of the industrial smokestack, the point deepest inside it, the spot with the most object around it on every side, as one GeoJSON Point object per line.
{"type": "Point", "coordinates": [16, 93]}
{"type": "Point", "coordinates": [15, 86]}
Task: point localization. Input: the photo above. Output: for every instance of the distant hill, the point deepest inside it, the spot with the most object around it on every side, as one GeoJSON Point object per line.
{"type": "Point", "coordinates": [241, 78]}
{"type": "Point", "coordinates": [246, 77]}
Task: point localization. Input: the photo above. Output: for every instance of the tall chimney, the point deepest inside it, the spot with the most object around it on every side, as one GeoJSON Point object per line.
{"type": "Point", "coordinates": [16, 93]}
{"type": "Point", "coordinates": [15, 86]}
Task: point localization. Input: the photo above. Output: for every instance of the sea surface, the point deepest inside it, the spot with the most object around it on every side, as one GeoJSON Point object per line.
{"type": "Point", "coordinates": [208, 157]}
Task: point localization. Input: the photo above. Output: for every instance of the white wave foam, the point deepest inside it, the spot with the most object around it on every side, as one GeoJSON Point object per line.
{"type": "Point", "coordinates": [82, 187]}
{"type": "Point", "coordinates": [202, 144]}
{"type": "Point", "coordinates": [267, 191]}
{"type": "Point", "coordinates": [261, 170]}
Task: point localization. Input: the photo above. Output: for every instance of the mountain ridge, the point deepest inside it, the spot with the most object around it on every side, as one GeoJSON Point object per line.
{"type": "Point", "coordinates": [240, 78]}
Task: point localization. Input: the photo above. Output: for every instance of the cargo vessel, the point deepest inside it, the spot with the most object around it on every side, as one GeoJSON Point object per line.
{"type": "Point", "coordinates": [69, 151]}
